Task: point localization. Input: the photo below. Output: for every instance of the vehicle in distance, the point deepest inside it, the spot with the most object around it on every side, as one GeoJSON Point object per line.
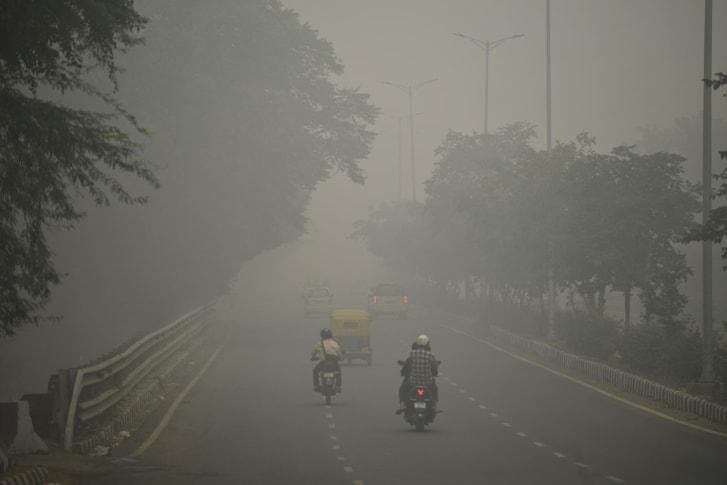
{"type": "Point", "coordinates": [317, 300]}
{"type": "Point", "coordinates": [388, 299]}
{"type": "Point", "coordinates": [352, 330]}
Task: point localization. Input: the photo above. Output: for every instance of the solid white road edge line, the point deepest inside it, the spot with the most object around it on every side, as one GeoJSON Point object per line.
{"type": "Point", "coordinates": [172, 409]}
{"type": "Point", "coordinates": [589, 386]}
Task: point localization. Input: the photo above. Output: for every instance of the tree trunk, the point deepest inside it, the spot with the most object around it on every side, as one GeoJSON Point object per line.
{"type": "Point", "coordinates": [589, 300]}
{"type": "Point", "coordinates": [601, 300]}
{"type": "Point", "coordinates": [572, 299]}
{"type": "Point", "coordinates": [627, 309]}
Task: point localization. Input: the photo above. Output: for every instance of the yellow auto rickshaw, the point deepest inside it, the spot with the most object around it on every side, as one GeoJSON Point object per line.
{"type": "Point", "coordinates": [352, 330]}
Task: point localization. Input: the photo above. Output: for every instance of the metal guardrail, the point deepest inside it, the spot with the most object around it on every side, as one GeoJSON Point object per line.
{"type": "Point", "coordinates": [620, 379]}
{"type": "Point", "coordinates": [99, 387]}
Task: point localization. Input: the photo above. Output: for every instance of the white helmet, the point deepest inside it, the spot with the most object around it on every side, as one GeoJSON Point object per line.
{"type": "Point", "coordinates": [422, 340]}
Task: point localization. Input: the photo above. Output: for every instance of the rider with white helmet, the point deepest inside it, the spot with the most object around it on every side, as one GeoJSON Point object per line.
{"type": "Point", "coordinates": [420, 369]}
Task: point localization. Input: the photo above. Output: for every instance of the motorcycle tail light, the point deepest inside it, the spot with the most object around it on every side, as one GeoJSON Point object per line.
{"type": "Point", "coordinates": [420, 392]}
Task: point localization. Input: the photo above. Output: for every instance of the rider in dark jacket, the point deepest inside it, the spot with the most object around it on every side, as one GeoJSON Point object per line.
{"type": "Point", "coordinates": [420, 369]}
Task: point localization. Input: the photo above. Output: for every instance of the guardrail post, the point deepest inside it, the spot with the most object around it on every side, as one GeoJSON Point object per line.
{"type": "Point", "coordinates": [59, 390]}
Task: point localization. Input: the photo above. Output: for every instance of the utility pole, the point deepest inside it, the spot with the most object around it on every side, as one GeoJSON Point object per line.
{"type": "Point", "coordinates": [487, 46]}
{"type": "Point", "coordinates": [410, 89]}
{"type": "Point", "coordinates": [549, 146]}
{"type": "Point", "coordinates": [707, 330]}
{"type": "Point", "coordinates": [549, 133]}
{"type": "Point", "coordinates": [411, 144]}
{"type": "Point", "coordinates": [398, 157]}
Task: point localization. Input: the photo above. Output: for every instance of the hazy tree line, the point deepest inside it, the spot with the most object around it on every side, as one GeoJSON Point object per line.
{"type": "Point", "coordinates": [502, 216]}
{"type": "Point", "coordinates": [237, 116]}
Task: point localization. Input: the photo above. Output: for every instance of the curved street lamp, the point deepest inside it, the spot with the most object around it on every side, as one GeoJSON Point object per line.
{"type": "Point", "coordinates": [487, 46]}
{"type": "Point", "coordinates": [410, 89]}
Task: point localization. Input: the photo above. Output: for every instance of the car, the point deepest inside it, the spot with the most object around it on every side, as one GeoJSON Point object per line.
{"type": "Point", "coordinates": [388, 299]}
{"type": "Point", "coordinates": [317, 300]}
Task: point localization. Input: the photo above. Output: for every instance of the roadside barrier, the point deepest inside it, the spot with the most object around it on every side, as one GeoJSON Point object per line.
{"type": "Point", "coordinates": [34, 476]}
{"type": "Point", "coordinates": [89, 401]}
{"type": "Point", "coordinates": [603, 373]}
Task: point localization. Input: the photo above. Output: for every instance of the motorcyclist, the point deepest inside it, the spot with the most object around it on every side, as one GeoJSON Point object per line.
{"type": "Point", "coordinates": [419, 369]}
{"type": "Point", "coordinates": [327, 352]}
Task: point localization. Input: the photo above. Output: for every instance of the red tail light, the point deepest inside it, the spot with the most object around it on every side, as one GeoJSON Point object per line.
{"type": "Point", "coordinates": [406, 300]}
{"type": "Point", "coordinates": [420, 391]}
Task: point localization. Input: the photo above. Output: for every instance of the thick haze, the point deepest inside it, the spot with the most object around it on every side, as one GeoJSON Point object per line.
{"type": "Point", "coordinates": [617, 65]}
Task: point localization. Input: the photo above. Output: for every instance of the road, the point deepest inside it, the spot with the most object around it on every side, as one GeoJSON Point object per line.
{"type": "Point", "coordinates": [253, 419]}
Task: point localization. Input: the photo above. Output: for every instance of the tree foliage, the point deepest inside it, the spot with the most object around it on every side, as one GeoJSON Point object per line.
{"type": "Point", "coordinates": [248, 116]}
{"type": "Point", "coordinates": [715, 228]}
{"type": "Point", "coordinates": [503, 213]}
{"type": "Point", "coordinates": [49, 152]}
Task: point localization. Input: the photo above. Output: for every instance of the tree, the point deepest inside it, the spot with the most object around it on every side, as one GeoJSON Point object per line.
{"type": "Point", "coordinates": [613, 222]}
{"type": "Point", "coordinates": [50, 152]}
{"type": "Point", "coordinates": [640, 207]}
{"type": "Point", "coordinates": [248, 117]}
{"type": "Point", "coordinates": [715, 228]}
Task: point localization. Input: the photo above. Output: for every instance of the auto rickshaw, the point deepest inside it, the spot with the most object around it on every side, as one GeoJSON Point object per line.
{"type": "Point", "coordinates": [352, 330]}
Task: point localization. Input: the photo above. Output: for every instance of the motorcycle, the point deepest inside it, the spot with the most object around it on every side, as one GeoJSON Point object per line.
{"type": "Point", "coordinates": [327, 382]}
{"type": "Point", "coordinates": [420, 410]}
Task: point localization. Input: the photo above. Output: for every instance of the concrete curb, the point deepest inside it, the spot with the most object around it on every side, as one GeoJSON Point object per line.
{"type": "Point", "coordinates": [35, 476]}
{"type": "Point", "coordinates": [4, 460]}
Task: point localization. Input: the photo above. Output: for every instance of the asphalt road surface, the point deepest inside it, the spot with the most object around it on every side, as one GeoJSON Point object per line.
{"type": "Point", "coordinates": [253, 419]}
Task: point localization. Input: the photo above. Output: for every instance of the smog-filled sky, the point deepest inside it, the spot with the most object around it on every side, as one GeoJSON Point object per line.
{"type": "Point", "coordinates": [616, 65]}
{"type": "Point", "coordinates": [213, 266]}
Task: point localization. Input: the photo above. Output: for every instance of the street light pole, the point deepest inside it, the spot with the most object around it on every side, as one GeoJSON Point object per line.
{"type": "Point", "coordinates": [409, 89]}
{"type": "Point", "coordinates": [549, 133]}
{"type": "Point", "coordinates": [707, 330]}
{"type": "Point", "coordinates": [487, 46]}
{"type": "Point", "coordinates": [487, 84]}
{"type": "Point", "coordinates": [411, 145]}
{"type": "Point", "coordinates": [549, 145]}
{"type": "Point", "coordinates": [398, 155]}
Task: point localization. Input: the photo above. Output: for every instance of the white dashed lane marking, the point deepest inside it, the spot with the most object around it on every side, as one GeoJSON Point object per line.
{"type": "Point", "coordinates": [539, 444]}
{"type": "Point", "coordinates": [336, 447]}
